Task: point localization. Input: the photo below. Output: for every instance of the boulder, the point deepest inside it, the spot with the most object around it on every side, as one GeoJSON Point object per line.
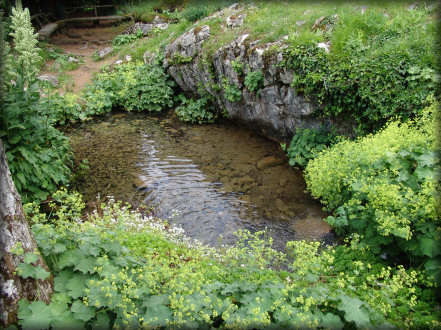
{"type": "Point", "coordinates": [104, 52]}
{"type": "Point", "coordinates": [53, 80]}
{"type": "Point", "coordinates": [269, 161]}
{"type": "Point", "coordinates": [234, 21]}
{"type": "Point", "coordinates": [275, 111]}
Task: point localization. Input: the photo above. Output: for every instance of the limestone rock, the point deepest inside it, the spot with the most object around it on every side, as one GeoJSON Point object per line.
{"type": "Point", "coordinates": [148, 57]}
{"type": "Point", "coordinates": [276, 111]}
{"type": "Point", "coordinates": [49, 78]}
{"type": "Point", "coordinates": [234, 21]}
{"type": "Point", "coordinates": [269, 161]}
{"type": "Point", "coordinates": [324, 45]}
{"type": "Point", "coordinates": [104, 52]}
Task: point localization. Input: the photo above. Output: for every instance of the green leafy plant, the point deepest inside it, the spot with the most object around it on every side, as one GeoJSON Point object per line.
{"type": "Point", "coordinates": [372, 72]}
{"type": "Point", "coordinates": [384, 187]}
{"type": "Point", "coordinates": [232, 92]}
{"type": "Point", "coordinates": [124, 269]}
{"type": "Point", "coordinates": [178, 58]}
{"type": "Point", "coordinates": [254, 80]}
{"type": "Point", "coordinates": [123, 39]}
{"type": "Point", "coordinates": [38, 154]}
{"type": "Point", "coordinates": [237, 67]}
{"type": "Point", "coordinates": [308, 143]}
{"type": "Point", "coordinates": [62, 109]}
{"type": "Point", "coordinates": [131, 86]}
{"type": "Point", "coordinates": [198, 111]}
{"type": "Point", "coordinates": [194, 13]}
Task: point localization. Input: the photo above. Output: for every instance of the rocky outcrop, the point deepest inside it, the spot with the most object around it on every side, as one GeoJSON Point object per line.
{"type": "Point", "coordinates": [276, 109]}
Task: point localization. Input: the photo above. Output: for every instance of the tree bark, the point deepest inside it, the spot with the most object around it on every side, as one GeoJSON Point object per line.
{"type": "Point", "coordinates": [15, 231]}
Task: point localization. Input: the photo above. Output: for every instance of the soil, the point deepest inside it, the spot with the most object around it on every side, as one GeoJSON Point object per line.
{"type": "Point", "coordinates": [83, 41]}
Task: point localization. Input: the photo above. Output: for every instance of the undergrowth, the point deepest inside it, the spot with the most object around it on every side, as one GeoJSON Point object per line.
{"type": "Point", "coordinates": [385, 188]}
{"type": "Point", "coordinates": [120, 268]}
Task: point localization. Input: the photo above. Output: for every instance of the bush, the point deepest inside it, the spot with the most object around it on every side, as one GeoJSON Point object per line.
{"type": "Point", "coordinates": [307, 143]}
{"type": "Point", "coordinates": [124, 269]}
{"type": "Point", "coordinates": [384, 188]}
{"type": "Point", "coordinates": [198, 111]}
{"type": "Point", "coordinates": [378, 69]}
{"type": "Point", "coordinates": [195, 12]}
{"type": "Point", "coordinates": [62, 109]}
{"type": "Point", "coordinates": [231, 91]}
{"type": "Point", "coordinates": [131, 86]}
{"type": "Point", "coordinates": [123, 39]}
{"type": "Point", "coordinates": [254, 81]}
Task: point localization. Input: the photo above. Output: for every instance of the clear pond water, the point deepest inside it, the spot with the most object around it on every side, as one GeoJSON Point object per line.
{"type": "Point", "coordinates": [212, 180]}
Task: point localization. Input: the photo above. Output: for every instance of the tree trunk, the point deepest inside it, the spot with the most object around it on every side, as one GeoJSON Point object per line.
{"type": "Point", "coordinates": [15, 231]}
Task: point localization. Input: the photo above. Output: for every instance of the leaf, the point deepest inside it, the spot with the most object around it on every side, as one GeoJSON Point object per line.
{"type": "Point", "coordinates": [76, 286]}
{"type": "Point", "coordinates": [39, 316]}
{"type": "Point", "coordinates": [59, 248]}
{"type": "Point", "coordinates": [331, 321]}
{"type": "Point", "coordinates": [102, 321]}
{"type": "Point", "coordinates": [86, 265]}
{"type": "Point", "coordinates": [430, 247]}
{"type": "Point", "coordinates": [26, 270]}
{"type": "Point", "coordinates": [30, 258]}
{"type": "Point", "coordinates": [354, 310]}
{"type": "Point", "coordinates": [40, 273]}
{"type": "Point", "coordinates": [69, 258]}
{"type": "Point", "coordinates": [81, 311]}
{"type": "Point", "coordinates": [62, 279]}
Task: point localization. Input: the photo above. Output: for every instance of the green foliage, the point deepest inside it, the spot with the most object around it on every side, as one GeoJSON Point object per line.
{"type": "Point", "coordinates": [231, 91]}
{"type": "Point", "coordinates": [195, 12]}
{"type": "Point", "coordinates": [62, 109]}
{"type": "Point", "coordinates": [237, 67]}
{"type": "Point", "coordinates": [198, 111]}
{"type": "Point", "coordinates": [123, 39]}
{"type": "Point", "coordinates": [122, 269]}
{"type": "Point", "coordinates": [130, 86]}
{"type": "Point", "coordinates": [178, 58]}
{"type": "Point", "coordinates": [254, 80]}
{"type": "Point", "coordinates": [378, 68]}
{"type": "Point", "coordinates": [38, 154]}
{"type": "Point", "coordinates": [30, 268]}
{"type": "Point", "coordinates": [307, 143]}
{"type": "Point", "coordinates": [384, 187]}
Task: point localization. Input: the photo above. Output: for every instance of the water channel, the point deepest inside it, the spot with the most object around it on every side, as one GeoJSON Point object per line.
{"type": "Point", "coordinates": [211, 180]}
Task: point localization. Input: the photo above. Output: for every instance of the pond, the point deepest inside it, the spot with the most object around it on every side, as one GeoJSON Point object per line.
{"type": "Point", "coordinates": [212, 180]}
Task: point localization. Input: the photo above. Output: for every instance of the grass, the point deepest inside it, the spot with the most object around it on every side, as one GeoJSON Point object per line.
{"type": "Point", "coordinates": [269, 21]}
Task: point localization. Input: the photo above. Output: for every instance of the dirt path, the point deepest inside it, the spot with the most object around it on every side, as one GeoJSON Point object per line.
{"type": "Point", "coordinates": [82, 42]}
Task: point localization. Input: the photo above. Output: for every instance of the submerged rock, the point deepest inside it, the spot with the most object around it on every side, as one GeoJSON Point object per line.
{"type": "Point", "coordinates": [268, 162]}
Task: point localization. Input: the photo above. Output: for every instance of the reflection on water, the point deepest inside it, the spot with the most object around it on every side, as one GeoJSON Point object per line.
{"type": "Point", "coordinates": [212, 180]}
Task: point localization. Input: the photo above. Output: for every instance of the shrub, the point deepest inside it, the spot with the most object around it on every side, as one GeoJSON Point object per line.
{"type": "Point", "coordinates": [62, 109]}
{"type": "Point", "coordinates": [307, 143]}
{"type": "Point", "coordinates": [124, 269]}
{"type": "Point", "coordinates": [377, 69]}
{"type": "Point", "coordinates": [194, 13]}
{"type": "Point", "coordinates": [237, 67]}
{"type": "Point", "coordinates": [232, 92]}
{"type": "Point", "coordinates": [123, 39]}
{"type": "Point", "coordinates": [384, 188]}
{"type": "Point", "coordinates": [130, 86]}
{"type": "Point", "coordinates": [198, 111]}
{"type": "Point", "coordinates": [254, 81]}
